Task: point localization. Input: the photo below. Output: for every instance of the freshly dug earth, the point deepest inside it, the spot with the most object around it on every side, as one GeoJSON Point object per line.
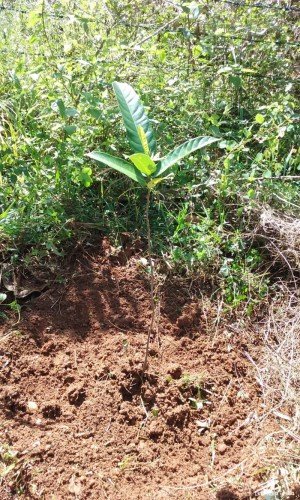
{"type": "Point", "coordinates": [87, 424]}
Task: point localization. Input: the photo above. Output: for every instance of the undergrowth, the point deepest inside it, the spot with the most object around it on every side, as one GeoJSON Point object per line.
{"type": "Point", "coordinates": [201, 69]}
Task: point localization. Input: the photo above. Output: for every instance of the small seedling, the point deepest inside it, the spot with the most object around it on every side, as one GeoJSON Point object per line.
{"type": "Point", "coordinates": [125, 463]}
{"type": "Point", "coordinates": [155, 411]}
{"type": "Point", "coordinates": [15, 467]}
{"type": "Point", "coordinates": [195, 382]}
{"type": "Point", "coordinates": [13, 306]}
{"type": "Point", "coordinates": [189, 380]}
{"type": "Point", "coordinates": [145, 167]}
{"type": "Point", "coordinates": [8, 460]}
{"type": "Point", "coordinates": [125, 344]}
{"type": "Point", "coordinates": [196, 404]}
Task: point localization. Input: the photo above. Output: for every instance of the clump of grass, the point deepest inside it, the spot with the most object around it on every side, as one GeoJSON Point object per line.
{"type": "Point", "coordinates": [14, 470]}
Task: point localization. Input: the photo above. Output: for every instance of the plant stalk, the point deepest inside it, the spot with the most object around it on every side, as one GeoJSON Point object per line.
{"type": "Point", "coordinates": [149, 244]}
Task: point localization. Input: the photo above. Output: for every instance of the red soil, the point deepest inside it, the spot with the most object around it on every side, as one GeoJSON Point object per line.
{"type": "Point", "coordinates": [100, 430]}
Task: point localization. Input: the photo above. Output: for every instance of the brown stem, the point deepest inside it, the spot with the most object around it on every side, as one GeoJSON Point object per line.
{"type": "Point", "coordinates": [149, 242]}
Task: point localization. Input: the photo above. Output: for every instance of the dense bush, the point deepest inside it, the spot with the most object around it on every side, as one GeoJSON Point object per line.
{"type": "Point", "coordinates": [203, 68]}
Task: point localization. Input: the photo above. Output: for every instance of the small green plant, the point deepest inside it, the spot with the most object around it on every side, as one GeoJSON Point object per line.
{"type": "Point", "coordinates": [8, 460]}
{"type": "Point", "coordinates": [125, 463]}
{"type": "Point", "coordinates": [169, 379]}
{"type": "Point", "coordinates": [195, 383]}
{"type": "Point", "coordinates": [15, 467]}
{"type": "Point", "coordinates": [155, 411]}
{"type": "Point", "coordinates": [146, 168]}
{"type": "Point", "coordinates": [14, 306]}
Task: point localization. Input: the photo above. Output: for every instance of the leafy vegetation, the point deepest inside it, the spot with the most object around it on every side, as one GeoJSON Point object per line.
{"type": "Point", "coordinates": [204, 69]}
{"type": "Point", "coordinates": [143, 169]}
{"type": "Point", "coordinates": [142, 140]}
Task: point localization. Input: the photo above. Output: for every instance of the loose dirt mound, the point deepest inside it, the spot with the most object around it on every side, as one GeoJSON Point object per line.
{"type": "Point", "coordinates": [86, 424]}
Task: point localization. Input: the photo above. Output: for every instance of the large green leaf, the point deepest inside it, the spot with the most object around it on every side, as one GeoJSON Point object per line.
{"type": "Point", "coordinates": [134, 116]}
{"type": "Point", "coordinates": [118, 164]}
{"type": "Point", "coordinates": [180, 152]}
{"type": "Point", "coordinates": [4, 214]}
{"type": "Point", "coordinates": [143, 163]}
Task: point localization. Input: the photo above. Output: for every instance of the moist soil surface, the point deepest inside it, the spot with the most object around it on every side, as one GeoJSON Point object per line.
{"type": "Point", "coordinates": [86, 423]}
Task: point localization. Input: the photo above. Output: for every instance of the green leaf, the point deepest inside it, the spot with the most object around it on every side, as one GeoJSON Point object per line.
{"type": "Point", "coordinates": [267, 174]}
{"type": "Point", "coordinates": [248, 70]}
{"type": "Point", "coordinates": [153, 182]}
{"type": "Point", "coordinates": [71, 112]}
{"type": "Point", "coordinates": [94, 112]}
{"type": "Point", "coordinates": [85, 176]}
{"type": "Point", "coordinates": [144, 141]}
{"type": "Point", "coordinates": [259, 118]}
{"type": "Point", "coordinates": [7, 469]}
{"type": "Point", "coordinates": [236, 81]}
{"type": "Point", "coordinates": [134, 115]}
{"type": "Point", "coordinates": [118, 164]}
{"type": "Point", "coordinates": [185, 149]}
{"type": "Point", "coordinates": [4, 214]}
{"type": "Point", "coordinates": [59, 105]}
{"type": "Point", "coordinates": [70, 129]}
{"type": "Point", "coordinates": [3, 297]}
{"type": "Point", "coordinates": [143, 163]}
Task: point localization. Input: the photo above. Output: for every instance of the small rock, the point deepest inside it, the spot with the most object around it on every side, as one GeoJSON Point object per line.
{"type": "Point", "coordinates": [148, 395]}
{"type": "Point", "coordinates": [221, 448]}
{"type": "Point", "coordinates": [131, 448]}
{"type": "Point", "coordinates": [32, 407]}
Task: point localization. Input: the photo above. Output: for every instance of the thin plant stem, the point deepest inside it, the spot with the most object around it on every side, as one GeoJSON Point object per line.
{"type": "Point", "coordinates": [149, 243]}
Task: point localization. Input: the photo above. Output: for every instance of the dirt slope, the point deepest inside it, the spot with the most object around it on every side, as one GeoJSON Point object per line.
{"type": "Point", "coordinates": [85, 423]}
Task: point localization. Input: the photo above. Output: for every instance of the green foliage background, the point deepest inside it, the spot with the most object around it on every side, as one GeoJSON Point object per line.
{"type": "Point", "coordinates": [201, 68]}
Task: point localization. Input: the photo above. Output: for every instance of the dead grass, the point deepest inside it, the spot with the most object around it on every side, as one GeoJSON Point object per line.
{"type": "Point", "coordinates": [275, 459]}
{"type": "Point", "coordinates": [278, 373]}
{"type": "Point", "coordinates": [282, 237]}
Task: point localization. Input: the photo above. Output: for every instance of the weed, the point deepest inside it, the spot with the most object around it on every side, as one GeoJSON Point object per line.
{"type": "Point", "coordinates": [125, 463]}
{"type": "Point", "coordinates": [193, 385]}
{"type": "Point", "coordinates": [192, 380]}
{"type": "Point", "coordinates": [14, 467]}
{"type": "Point", "coordinates": [9, 460]}
{"type": "Point", "coordinates": [155, 411]}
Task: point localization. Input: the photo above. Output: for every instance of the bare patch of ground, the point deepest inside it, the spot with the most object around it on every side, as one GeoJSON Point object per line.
{"type": "Point", "coordinates": [80, 420]}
